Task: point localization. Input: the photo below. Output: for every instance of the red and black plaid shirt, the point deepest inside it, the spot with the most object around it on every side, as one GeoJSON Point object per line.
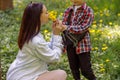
{"type": "Point", "coordinates": [79, 22]}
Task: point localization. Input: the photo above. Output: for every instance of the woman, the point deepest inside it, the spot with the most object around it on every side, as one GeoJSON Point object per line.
{"type": "Point", "coordinates": [35, 53]}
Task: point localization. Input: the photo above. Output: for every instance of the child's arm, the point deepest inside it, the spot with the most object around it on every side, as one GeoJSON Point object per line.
{"type": "Point", "coordinates": [88, 19]}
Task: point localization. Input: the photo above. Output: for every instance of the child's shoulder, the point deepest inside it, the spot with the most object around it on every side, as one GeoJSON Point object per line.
{"type": "Point", "coordinates": [69, 8]}
{"type": "Point", "coordinates": [89, 7]}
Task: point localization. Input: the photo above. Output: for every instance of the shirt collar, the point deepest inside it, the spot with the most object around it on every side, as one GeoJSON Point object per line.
{"type": "Point", "coordinates": [39, 35]}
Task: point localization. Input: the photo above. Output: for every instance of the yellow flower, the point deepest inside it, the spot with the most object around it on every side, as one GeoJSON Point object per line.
{"type": "Point", "coordinates": [104, 48]}
{"type": "Point", "coordinates": [110, 35]}
{"type": "Point", "coordinates": [95, 8]}
{"type": "Point", "coordinates": [101, 21]}
{"type": "Point", "coordinates": [101, 14]}
{"type": "Point", "coordinates": [61, 14]}
{"type": "Point", "coordinates": [107, 60]}
{"type": "Point", "coordinates": [95, 38]}
{"type": "Point", "coordinates": [95, 13]}
{"type": "Point", "coordinates": [116, 25]}
{"type": "Point", "coordinates": [101, 65]}
{"type": "Point", "coordinates": [104, 45]}
{"type": "Point", "coordinates": [17, 19]}
{"type": "Point", "coordinates": [52, 15]}
{"type": "Point", "coordinates": [118, 14]}
{"type": "Point", "coordinates": [45, 31]}
{"type": "Point", "coordinates": [107, 14]}
{"type": "Point", "coordinates": [98, 31]}
{"type": "Point", "coordinates": [94, 25]}
{"type": "Point", "coordinates": [92, 30]}
{"type": "Point", "coordinates": [101, 11]}
{"type": "Point", "coordinates": [102, 70]}
{"type": "Point", "coordinates": [94, 22]}
{"type": "Point", "coordinates": [110, 23]}
{"type": "Point", "coordinates": [96, 48]}
{"type": "Point", "coordinates": [93, 49]}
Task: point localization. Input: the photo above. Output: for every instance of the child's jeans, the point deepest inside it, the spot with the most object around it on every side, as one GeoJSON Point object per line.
{"type": "Point", "coordinates": [80, 63]}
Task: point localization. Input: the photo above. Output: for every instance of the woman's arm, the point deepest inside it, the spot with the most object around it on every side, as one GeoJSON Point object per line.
{"type": "Point", "coordinates": [45, 52]}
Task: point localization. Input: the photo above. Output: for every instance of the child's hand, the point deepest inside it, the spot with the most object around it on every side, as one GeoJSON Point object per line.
{"type": "Point", "coordinates": [64, 27]}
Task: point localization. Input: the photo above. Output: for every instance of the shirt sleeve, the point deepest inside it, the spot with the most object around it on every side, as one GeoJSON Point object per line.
{"type": "Point", "coordinates": [49, 52]}
{"type": "Point", "coordinates": [84, 25]}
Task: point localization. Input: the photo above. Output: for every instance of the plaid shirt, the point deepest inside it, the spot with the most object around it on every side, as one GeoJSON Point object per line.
{"type": "Point", "coordinates": [79, 22]}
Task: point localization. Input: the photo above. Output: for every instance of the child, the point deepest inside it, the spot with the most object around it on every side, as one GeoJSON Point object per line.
{"type": "Point", "coordinates": [77, 19]}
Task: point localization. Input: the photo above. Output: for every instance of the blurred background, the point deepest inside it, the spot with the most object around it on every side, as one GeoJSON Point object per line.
{"type": "Point", "coordinates": [105, 35]}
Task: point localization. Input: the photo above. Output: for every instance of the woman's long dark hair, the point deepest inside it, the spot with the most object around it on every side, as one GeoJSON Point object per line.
{"type": "Point", "coordinates": [31, 23]}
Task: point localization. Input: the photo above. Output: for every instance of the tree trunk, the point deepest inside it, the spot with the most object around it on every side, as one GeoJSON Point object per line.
{"type": "Point", "coordinates": [6, 4]}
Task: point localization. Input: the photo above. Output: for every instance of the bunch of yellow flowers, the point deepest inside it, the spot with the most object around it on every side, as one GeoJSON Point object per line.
{"type": "Point", "coordinates": [53, 15]}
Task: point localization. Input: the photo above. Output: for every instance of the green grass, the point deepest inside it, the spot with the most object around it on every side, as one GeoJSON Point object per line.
{"type": "Point", "coordinates": [105, 36]}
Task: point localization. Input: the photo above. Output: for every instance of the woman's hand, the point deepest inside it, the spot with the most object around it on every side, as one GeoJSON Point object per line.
{"type": "Point", "coordinates": [64, 27]}
{"type": "Point", "coordinates": [56, 27]}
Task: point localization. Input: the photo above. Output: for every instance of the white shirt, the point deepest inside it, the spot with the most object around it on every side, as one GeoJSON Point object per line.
{"type": "Point", "coordinates": [75, 8]}
{"type": "Point", "coordinates": [34, 57]}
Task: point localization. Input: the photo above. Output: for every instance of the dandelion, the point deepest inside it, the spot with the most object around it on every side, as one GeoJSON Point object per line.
{"type": "Point", "coordinates": [98, 31]}
{"type": "Point", "coordinates": [52, 15]}
{"type": "Point", "coordinates": [104, 48]}
{"type": "Point", "coordinates": [104, 45]}
{"type": "Point", "coordinates": [94, 25]}
{"type": "Point", "coordinates": [95, 13]}
{"type": "Point", "coordinates": [107, 60]}
{"type": "Point", "coordinates": [94, 22]}
{"type": "Point", "coordinates": [45, 31]}
{"type": "Point", "coordinates": [61, 14]}
{"type": "Point", "coordinates": [107, 14]}
{"type": "Point", "coordinates": [92, 30]}
{"type": "Point", "coordinates": [109, 36]}
{"type": "Point", "coordinates": [95, 8]}
{"type": "Point", "coordinates": [101, 11]}
{"type": "Point", "coordinates": [110, 23]}
{"type": "Point", "coordinates": [101, 21]}
{"type": "Point", "coordinates": [93, 49]}
{"type": "Point", "coordinates": [95, 38]}
{"type": "Point", "coordinates": [47, 35]}
{"type": "Point", "coordinates": [102, 70]}
{"type": "Point", "coordinates": [96, 48]}
{"type": "Point", "coordinates": [116, 25]}
{"type": "Point", "coordinates": [118, 14]}
{"type": "Point", "coordinates": [47, 38]}
{"type": "Point", "coordinates": [101, 65]}
{"type": "Point", "coordinates": [101, 14]}
{"type": "Point", "coordinates": [100, 25]}
{"type": "Point", "coordinates": [17, 19]}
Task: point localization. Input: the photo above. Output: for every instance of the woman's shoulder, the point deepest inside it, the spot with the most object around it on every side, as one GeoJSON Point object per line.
{"type": "Point", "coordinates": [38, 39]}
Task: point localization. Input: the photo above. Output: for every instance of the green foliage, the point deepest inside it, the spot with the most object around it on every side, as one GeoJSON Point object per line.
{"type": "Point", "coordinates": [105, 36]}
